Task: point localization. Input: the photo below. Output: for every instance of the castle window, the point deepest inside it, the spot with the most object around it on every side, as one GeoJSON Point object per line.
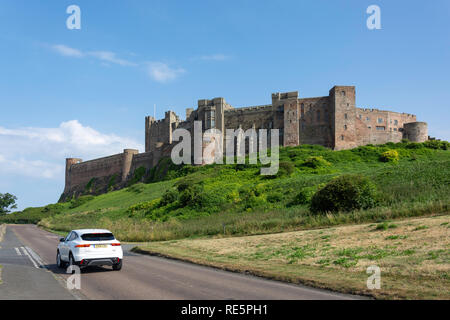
{"type": "Point", "coordinates": [345, 127]}
{"type": "Point", "coordinates": [342, 137]}
{"type": "Point", "coordinates": [343, 93]}
{"type": "Point", "coordinates": [380, 128]}
{"type": "Point", "coordinates": [369, 127]}
{"type": "Point", "coordinates": [368, 118]}
{"type": "Point", "coordinates": [345, 116]}
{"type": "Point", "coordinates": [360, 117]}
{"type": "Point", "coordinates": [396, 122]}
{"type": "Point", "coordinates": [318, 115]}
{"type": "Point", "coordinates": [395, 129]}
{"type": "Point", "coordinates": [380, 120]}
{"type": "Point", "coordinates": [302, 109]}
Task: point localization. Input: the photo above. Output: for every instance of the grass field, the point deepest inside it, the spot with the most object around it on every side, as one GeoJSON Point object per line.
{"type": "Point", "coordinates": [234, 200]}
{"type": "Point", "coordinates": [413, 254]}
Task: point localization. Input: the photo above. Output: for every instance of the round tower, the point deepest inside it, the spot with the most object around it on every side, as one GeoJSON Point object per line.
{"type": "Point", "coordinates": [415, 131]}
{"type": "Point", "coordinates": [127, 161]}
{"type": "Point", "coordinates": [69, 163]}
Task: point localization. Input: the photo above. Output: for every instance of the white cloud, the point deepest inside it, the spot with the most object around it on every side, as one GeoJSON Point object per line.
{"type": "Point", "coordinates": [215, 57]}
{"type": "Point", "coordinates": [111, 57]}
{"type": "Point", "coordinates": [161, 72]}
{"type": "Point", "coordinates": [41, 152]}
{"type": "Point", "coordinates": [104, 56]}
{"type": "Point", "coordinates": [67, 51]}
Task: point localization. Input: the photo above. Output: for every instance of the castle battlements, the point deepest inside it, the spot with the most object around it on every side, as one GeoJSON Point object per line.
{"type": "Point", "coordinates": [332, 121]}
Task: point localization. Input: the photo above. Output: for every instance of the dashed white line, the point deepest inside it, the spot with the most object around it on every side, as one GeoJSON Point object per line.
{"type": "Point", "coordinates": [18, 251]}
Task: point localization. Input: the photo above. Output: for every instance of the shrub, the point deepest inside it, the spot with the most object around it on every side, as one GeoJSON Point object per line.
{"type": "Point", "coordinates": [414, 145]}
{"type": "Point", "coordinates": [142, 206]}
{"type": "Point", "coordinates": [168, 197]}
{"type": "Point", "coordinates": [390, 156]}
{"type": "Point", "coordinates": [275, 197]}
{"type": "Point", "coordinates": [138, 174]}
{"type": "Point", "coordinates": [192, 196]}
{"type": "Point", "coordinates": [112, 182]}
{"type": "Point", "coordinates": [304, 196]}
{"type": "Point", "coordinates": [345, 193]}
{"type": "Point", "coordinates": [90, 185]}
{"type": "Point", "coordinates": [316, 162]}
{"type": "Point", "coordinates": [285, 169]}
{"type": "Point", "coordinates": [80, 201]}
{"type": "Point", "coordinates": [436, 144]}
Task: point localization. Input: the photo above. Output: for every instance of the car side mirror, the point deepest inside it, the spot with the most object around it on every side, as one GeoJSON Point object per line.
{"type": "Point", "coordinates": [62, 239]}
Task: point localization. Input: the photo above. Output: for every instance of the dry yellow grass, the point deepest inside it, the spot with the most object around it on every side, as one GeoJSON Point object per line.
{"type": "Point", "coordinates": [413, 255]}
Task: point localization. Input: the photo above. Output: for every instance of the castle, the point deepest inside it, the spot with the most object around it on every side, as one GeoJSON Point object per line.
{"type": "Point", "coordinates": [332, 121]}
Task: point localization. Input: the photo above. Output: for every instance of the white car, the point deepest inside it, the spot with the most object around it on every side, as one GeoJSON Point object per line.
{"type": "Point", "coordinates": [89, 247]}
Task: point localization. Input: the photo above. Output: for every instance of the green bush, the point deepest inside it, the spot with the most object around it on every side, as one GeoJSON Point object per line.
{"type": "Point", "coordinates": [168, 197]}
{"type": "Point", "coordinates": [415, 145]}
{"type": "Point", "coordinates": [316, 162]}
{"type": "Point", "coordinates": [90, 185]}
{"type": "Point", "coordinates": [75, 203]}
{"type": "Point", "coordinates": [192, 196]}
{"type": "Point", "coordinates": [345, 193]}
{"type": "Point", "coordinates": [138, 175]}
{"type": "Point", "coordinates": [304, 196]}
{"type": "Point", "coordinates": [285, 169]}
{"type": "Point", "coordinates": [275, 197]}
{"type": "Point", "coordinates": [436, 144]}
{"type": "Point", "coordinates": [390, 156]}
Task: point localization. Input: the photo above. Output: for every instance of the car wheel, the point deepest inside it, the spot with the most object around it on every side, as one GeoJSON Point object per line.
{"type": "Point", "coordinates": [117, 266]}
{"type": "Point", "coordinates": [59, 262]}
{"type": "Point", "coordinates": [71, 262]}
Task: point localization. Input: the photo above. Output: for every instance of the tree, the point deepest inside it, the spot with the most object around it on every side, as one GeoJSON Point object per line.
{"type": "Point", "coordinates": [7, 202]}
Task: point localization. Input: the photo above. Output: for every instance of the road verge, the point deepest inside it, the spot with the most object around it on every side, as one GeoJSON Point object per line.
{"type": "Point", "coordinates": [412, 255]}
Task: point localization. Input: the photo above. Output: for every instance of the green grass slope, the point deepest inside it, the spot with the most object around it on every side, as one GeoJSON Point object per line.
{"type": "Point", "coordinates": [411, 178]}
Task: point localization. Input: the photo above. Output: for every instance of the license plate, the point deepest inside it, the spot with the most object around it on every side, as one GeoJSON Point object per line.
{"type": "Point", "coordinates": [100, 246]}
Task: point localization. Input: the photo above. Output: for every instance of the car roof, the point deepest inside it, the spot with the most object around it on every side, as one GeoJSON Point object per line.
{"type": "Point", "coordinates": [84, 231]}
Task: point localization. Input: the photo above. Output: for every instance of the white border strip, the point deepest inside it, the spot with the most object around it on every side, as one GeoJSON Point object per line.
{"type": "Point", "coordinates": [29, 257]}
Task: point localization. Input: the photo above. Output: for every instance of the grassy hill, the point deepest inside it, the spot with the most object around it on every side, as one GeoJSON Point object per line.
{"type": "Point", "coordinates": [191, 201]}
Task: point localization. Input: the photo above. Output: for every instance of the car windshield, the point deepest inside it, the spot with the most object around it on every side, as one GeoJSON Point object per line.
{"type": "Point", "coordinates": [97, 236]}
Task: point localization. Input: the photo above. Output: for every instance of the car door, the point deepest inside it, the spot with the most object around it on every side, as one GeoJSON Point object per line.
{"type": "Point", "coordinates": [64, 250]}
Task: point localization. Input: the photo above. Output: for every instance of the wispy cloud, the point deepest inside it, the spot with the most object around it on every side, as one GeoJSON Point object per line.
{"type": "Point", "coordinates": [162, 72]}
{"type": "Point", "coordinates": [215, 57]}
{"type": "Point", "coordinates": [67, 51]}
{"type": "Point", "coordinates": [157, 71]}
{"type": "Point", "coordinates": [109, 56]}
{"type": "Point", "coordinates": [104, 56]}
{"type": "Point", "coordinates": [40, 152]}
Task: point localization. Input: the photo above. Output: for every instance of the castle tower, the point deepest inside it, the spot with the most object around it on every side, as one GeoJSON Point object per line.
{"type": "Point", "coordinates": [126, 162]}
{"type": "Point", "coordinates": [415, 131]}
{"type": "Point", "coordinates": [69, 163]}
{"type": "Point", "coordinates": [343, 115]}
{"type": "Point", "coordinates": [149, 121]}
{"type": "Point", "coordinates": [286, 117]}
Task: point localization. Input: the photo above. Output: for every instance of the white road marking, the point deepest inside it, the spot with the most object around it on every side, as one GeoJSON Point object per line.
{"type": "Point", "coordinates": [35, 256]}
{"type": "Point", "coordinates": [29, 257]}
{"type": "Point", "coordinates": [18, 251]}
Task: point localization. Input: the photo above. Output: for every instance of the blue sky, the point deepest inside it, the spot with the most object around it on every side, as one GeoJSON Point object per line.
{"type": "Point", "coordinates": [84, 93]}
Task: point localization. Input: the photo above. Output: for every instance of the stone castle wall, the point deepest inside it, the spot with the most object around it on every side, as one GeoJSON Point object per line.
{"type": "Point", "coordinates": [332, 121]}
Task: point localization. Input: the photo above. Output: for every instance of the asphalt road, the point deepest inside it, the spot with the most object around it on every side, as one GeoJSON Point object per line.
{"type": "Point", "coordinates": [27, 255]}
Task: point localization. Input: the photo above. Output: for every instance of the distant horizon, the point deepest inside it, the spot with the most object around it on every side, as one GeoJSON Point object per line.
{"type": "Point", "coordinates": [84, 93]}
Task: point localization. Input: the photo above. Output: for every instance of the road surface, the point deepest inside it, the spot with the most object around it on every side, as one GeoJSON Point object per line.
{"type": "Point", "coordinates": [27, 256]}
